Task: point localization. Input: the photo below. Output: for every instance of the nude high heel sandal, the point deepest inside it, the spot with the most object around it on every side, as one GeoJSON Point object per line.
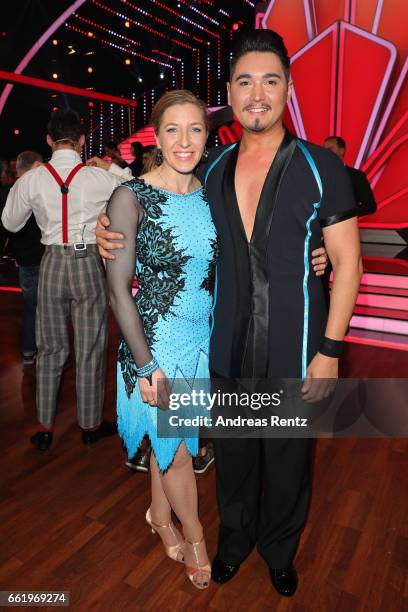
{"type": "Point", "coordinates": [176, 551]}
{"type": "Point", "coordinates": [193, 571]}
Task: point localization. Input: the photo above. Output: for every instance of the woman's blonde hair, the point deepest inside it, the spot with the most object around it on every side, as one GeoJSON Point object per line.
{"type": "Point", "coordinates": [174, 98]}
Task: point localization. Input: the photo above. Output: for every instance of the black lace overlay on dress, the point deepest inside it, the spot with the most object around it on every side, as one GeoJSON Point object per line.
{"type": "Point", "coordinates": [208, 283]}
{"type": "Point", "coordinates": [137, 208]}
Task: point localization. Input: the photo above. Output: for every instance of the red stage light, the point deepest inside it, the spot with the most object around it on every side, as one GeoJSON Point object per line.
{"type": "Point", "coordinates": [90, 104]}
{"type": "Point", "coordinates": [235, 26]}
{"type": "Point", "coordinates": [16, 132]}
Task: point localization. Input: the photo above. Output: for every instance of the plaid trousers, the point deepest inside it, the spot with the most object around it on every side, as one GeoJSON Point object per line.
{"type": "Point", "coordinates": [71, 289]}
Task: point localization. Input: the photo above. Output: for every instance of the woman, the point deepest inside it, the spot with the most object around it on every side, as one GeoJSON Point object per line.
{"type": "Point", "coordinates": [170, 245]}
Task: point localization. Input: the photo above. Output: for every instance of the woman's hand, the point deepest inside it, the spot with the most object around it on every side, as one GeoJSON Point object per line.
{"type": "Point", "coordinates": [158, 393]}
{"type": "Point", "coordinates": [319, 261]}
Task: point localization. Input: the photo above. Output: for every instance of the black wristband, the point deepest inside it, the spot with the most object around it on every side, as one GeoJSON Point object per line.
{"type": "Point", "coordinates": [331, 348]}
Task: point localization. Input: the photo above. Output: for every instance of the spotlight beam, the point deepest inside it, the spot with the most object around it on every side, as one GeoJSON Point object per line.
{"type": "Point", "coordinates": [12, 77]}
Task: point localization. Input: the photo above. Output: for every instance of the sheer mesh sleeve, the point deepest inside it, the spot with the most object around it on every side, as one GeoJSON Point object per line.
{"type": "Point", "coordinates": [125, 214]}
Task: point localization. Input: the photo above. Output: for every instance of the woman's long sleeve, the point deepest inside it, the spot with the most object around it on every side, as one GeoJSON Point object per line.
{"type": "Point", "coordinates": [125, 214]}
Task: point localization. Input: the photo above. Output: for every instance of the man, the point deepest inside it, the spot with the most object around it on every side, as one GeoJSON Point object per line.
{"type": "Point", "coordinates": [112, 150]}
{"type": "Point", "coordinates": [66, 198]}
{"type": "Point", "coordinates": [7, 180]}
{"type": "Point", "coordinates": [136, 166]}
{"type": "Point", "coordinates": [25, 246]}
{"type": "Point", "coordinates": [366, 204]}
{"type": "Point", "coordinates": [272, 198]}
{"type": "Point", "coordinates": [148, 157]}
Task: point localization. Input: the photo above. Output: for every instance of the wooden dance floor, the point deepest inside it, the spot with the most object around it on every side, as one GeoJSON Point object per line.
{"type": "Point", "coordinates": [72, 519]}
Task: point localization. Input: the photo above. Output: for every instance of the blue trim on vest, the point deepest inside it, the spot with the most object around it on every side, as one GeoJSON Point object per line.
{"type": "Point", "coordinates": [216, 160]}
{"type": "Point", "coordinates": [313, 216]}
{"type": "Point", "coordinates": [212, 166]}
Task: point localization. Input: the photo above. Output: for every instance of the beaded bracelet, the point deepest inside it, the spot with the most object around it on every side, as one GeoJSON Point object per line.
{"type": "Point", "coordinates": [147, 369]}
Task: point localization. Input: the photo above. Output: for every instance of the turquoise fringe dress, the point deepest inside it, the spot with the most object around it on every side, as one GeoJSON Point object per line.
{"type": "Point", "coordinates": [176, 249]}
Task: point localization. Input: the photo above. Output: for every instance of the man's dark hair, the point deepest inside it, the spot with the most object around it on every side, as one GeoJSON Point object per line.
{"type": "Point", "coordinates": [111, 144]}
{"type": "Point", "coordinates": [137, 148]}
{"type": "Point", "coordinates": [340, 141]}
{"type": "Point", "coordinates": [148, 149]}
{"type": "Point", "coordinates": [26, 160]}
{"type": "Point", "coordinates": [65, 125]}
{"type": "Point", "coordinates": [260, 41]}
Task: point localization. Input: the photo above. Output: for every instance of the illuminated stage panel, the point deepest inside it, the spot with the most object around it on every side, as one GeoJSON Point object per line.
{"type": "Point", "coordinates": [390, 190]}
{"type": "Point", "coordinates": [297, 30]}
{"type": "Point", "coordinates": [394, 112]}
{"type": "Point", "coordinates": [392, 25]}
{"type": "Point", "coordinates": [381, 154]}
{"type": "Point", "coordinates": [316, 96]}
{"type": "Point", "coordinates": [288, 122]}
{"type": "Point", "coordinates": [381, 339]}
{"type": "Point", "coordinates": [401, 103]}
{"type": "Point", "coordinates": [388, 269]}
{"type": "Point", "coordinates": [365, 65]}
{"type": "Point", "coordinates": [394, 215]}
{"type": "Point", "coordinates": [364, 14]}
{"type": "Point", "coordinates": [329, 11]}
{"type": "Point", "coordinates": [394, 177]}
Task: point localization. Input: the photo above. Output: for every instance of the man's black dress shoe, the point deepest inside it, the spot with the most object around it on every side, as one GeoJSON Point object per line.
{"type": "Point", "coordinates": [222, 572]}
{"type": "Point", "coordinates": [285, 580]}
{"type": "Point", "coordinates": [42, 440]}
{"type": "Point", "coordinates": [104, 430]}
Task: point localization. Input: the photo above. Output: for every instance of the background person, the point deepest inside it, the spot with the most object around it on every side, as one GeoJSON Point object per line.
{"type": "Point", "coordinates": [112, 150]}
{"type": "Point", "coordinates": [366, 204]}
{"type": "Point", "coordinates": [136, 166]}
{"type": "Point", "coordinates": [26, 247]}
{"type": "Point", "coordinates": [66, 198]}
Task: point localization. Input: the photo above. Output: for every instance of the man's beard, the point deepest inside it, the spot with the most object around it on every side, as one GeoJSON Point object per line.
{"type": "Point", "coordinates": [257, 126]}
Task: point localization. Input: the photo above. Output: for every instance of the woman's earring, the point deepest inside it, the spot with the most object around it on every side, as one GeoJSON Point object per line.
{"type": "Point", "coordinates": [158, 157]}
{"type": "Point", "coordinates": [205, 155]}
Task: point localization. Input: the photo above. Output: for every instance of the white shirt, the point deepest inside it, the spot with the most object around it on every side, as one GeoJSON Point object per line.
{"type": "Point", "coordinates": [37, 191]}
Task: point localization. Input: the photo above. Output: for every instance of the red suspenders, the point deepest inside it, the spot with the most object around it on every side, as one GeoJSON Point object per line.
{"type": "Point", "coordinates": [64, 190]}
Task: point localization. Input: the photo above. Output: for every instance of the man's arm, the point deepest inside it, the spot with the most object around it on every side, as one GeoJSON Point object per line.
{"type": "Point", "coordinates": [104, 239]}
{"type": "Point", "coordinates": [17, 210]}
{"type": "Point", "coordinates": [125, 174]}
{"type": "Point", "coordinates": [343, 248]}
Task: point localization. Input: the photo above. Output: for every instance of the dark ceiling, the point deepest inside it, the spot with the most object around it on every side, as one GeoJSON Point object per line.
{"type": "Point", "coordinates": [136, 47]}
